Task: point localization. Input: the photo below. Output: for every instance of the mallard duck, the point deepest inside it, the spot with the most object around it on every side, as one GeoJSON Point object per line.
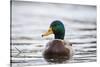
{"type": "Point", "coordinates": [57, 50]}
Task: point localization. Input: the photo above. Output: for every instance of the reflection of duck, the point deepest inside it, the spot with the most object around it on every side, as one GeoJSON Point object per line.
{"type": "Point", "coordinates": [57, 50]}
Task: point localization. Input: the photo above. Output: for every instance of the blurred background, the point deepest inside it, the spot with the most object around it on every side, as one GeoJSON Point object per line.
{"type": "Point", "coordinates": [31, 19]}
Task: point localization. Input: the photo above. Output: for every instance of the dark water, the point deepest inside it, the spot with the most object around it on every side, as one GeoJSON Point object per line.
{"type": "Point", "coordinates": [31, 19]}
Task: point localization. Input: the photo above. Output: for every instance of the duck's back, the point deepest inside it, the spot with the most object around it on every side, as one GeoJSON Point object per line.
{"type": "Point", "coordinates": [56, 52]}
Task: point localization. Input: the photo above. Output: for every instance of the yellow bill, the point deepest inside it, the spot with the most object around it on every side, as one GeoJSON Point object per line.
{"type": "Point", "coordinates": [48, 32]}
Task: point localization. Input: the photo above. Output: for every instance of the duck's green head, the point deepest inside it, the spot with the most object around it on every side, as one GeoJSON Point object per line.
{"type": "Point", "coordinates": [56, 28]}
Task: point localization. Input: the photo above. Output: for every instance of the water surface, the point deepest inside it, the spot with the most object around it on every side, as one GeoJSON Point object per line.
{"type": "Point", "coordinates": [31, 19]}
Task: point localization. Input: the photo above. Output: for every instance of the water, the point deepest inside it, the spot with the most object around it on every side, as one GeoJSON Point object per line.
{"type": "Point", "coordinates": [31, 19]}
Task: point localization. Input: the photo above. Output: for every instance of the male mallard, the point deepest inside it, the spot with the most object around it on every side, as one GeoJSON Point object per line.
{"type": "Point", "coordinates": [57, 50]}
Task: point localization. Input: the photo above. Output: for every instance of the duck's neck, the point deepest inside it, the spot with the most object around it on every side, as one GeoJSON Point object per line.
{"type": "Point", "coordinates": [59, 36]}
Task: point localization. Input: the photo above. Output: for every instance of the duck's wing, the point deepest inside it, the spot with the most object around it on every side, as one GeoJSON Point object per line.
{"type": "Point", "coordinates": [70, 47]}
{"type": "Point", "coordinates": [67, 43]}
